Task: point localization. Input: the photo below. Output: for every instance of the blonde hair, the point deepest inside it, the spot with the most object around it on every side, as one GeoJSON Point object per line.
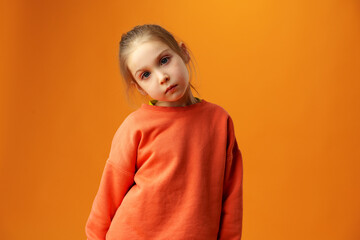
{"type": "Point", "coordinates": [144, 33]}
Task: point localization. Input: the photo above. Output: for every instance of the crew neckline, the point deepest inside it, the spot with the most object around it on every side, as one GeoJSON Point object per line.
{"type": "Point", "coordinates": [174, 109]}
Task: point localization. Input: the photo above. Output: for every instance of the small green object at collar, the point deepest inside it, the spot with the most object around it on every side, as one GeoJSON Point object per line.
{"type": "Point", "coordinates": [153, 102]}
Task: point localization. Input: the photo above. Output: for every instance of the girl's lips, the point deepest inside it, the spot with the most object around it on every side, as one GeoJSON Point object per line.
{"type": "Point", "coordinates": [171, 87]}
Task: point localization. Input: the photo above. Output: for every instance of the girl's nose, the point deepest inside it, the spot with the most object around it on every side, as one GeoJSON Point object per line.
{"type": "Point", "coordinates": [164, 78]}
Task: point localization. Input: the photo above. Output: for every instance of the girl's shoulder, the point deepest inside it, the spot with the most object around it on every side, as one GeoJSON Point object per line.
{"type": "Point", "coordinates": [131, 120]}
{"type": "Point", "coordinates": [218, 109]}
{"type": "Point", "coordinates": [127, 130]}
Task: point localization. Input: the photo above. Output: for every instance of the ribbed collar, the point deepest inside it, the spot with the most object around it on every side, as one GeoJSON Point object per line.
{"type": "Point", "coordinates": [150, 106]}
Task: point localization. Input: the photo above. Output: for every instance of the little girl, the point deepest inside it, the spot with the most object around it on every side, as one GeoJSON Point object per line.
{"type": "Point", "coordinates": [174, 171]}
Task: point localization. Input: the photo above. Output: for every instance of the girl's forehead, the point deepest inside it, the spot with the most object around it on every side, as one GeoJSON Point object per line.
{"type": "Point", "coordinates": [146, 53]}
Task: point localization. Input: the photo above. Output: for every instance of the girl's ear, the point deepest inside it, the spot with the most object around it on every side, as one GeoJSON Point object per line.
{"type": "Point", "coordinates": [139, 88]}
{"type": "Point", "coordinates": [185, 52]}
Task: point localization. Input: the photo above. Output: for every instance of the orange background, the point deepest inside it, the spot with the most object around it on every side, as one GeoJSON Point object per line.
{"type": "Point", "coordinates": [287, 72]}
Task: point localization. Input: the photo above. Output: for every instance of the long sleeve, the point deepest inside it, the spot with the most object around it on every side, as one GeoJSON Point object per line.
{"type": "Point", "coordinates": [232, 205]}
{"type": "Point", "coordinates": [116, 180]}
{"type": "Point", "coordinates": [113, 187]}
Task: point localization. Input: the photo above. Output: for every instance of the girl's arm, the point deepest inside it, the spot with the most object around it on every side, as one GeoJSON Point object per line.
{"type": "Point", "coordinates": [232, 208]}
{"type": "Point", "coordinates": [113, 187]}
{"type": "Point", "coordinates": [116, 180]}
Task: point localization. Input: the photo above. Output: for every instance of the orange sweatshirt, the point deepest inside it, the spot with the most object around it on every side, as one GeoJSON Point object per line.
{"type": "Point", "coordinates": [173, 173]}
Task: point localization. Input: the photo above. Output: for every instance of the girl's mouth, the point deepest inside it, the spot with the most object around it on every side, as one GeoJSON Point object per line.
{"type": "Point", "coordinates": [170, 88]}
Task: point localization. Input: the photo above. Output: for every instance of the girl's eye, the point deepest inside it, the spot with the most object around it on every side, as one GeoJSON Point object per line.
{"type": "Point", "coordinates": [166, 60]}
{"type": "Point", "coordinates": [145, 73]}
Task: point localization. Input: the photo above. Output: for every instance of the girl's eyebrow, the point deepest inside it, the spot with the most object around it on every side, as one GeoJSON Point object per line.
{"type": "Point", "coordinates": [155, 59]}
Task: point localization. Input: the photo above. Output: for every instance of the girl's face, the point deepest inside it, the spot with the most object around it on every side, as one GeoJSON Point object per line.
{"type": "Point", "coordinates": [161, 73]}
